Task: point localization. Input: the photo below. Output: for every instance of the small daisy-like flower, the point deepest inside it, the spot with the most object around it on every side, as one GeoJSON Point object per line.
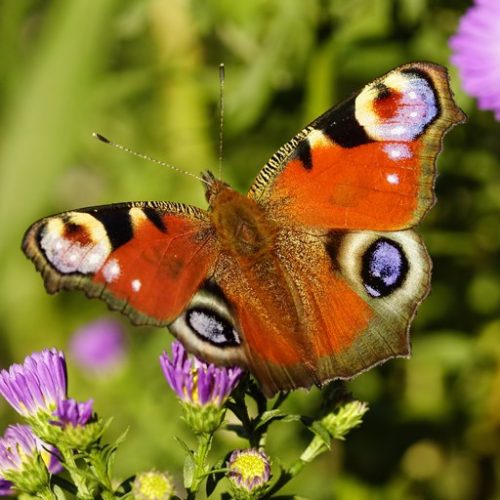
{"type": "Point", "coordinates": [21, 461]}
{"type": "Point", "coordinates": [37, 385]}
{"type": "Point", "coordinates": [249, 472]}
{"type": "Point", "coordinates": [202, 387]}
{"type": "Point", "coordinates": [476, 53]}
{"type": "Point", "coordinates": [153, 486]}
{"type": "Point", "coordinates": [99, 346]}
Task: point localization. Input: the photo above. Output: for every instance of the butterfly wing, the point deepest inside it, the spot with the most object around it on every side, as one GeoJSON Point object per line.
{"type": "Point", "coordinates": [349, 318]}
{"type": "Point", "coordinates": [368, 163]}
{"type": "Point", "coordinates": [344, 192]}
{"type": "Point", "coordinates": [145, 259]}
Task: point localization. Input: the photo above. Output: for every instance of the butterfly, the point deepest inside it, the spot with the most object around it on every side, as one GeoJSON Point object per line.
{"type": "Point", "coordinates": [314, 275]}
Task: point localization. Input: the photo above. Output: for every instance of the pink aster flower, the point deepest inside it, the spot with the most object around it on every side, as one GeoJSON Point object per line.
{"type": "Point", "coordinates": [476, 53]}
{"type": "Point", "coordinates": [99, 346]}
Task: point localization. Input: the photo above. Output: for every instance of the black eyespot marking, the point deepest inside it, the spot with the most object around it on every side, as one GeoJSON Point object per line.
{"type": "Point", "coordinates": [345, 130]}
{"type": "Point", "coordinates": [155, 218]}
{"type": "Point", "coordinates": [117, 224]}
{"type": "Point", "coordinates": [304, 154]}
{"type": "Point", "coordinates": [385, 267]}
{"type": "Point", "coordinates": [383, 91]}
{"type": "Point", "coordinates": [212, 327]}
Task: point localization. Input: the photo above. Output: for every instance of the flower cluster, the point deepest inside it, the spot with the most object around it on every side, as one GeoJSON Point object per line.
{"type": "Point", "coordinates": [37, 390]}
{"type": "Point", "coordinates": [63, 432]}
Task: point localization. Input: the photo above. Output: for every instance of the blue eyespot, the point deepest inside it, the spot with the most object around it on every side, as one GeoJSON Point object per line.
{"type": "Point", "coordinates": [385, 267]}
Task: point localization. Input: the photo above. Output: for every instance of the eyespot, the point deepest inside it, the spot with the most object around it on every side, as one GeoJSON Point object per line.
{"type": "Point", "coordinates": [211, 327]}
{"type": "Point", "coordinates": [384, 267]}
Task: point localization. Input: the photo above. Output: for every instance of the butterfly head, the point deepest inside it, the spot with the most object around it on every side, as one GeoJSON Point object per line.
{"type": "Point", "coordinates": [213, 186]}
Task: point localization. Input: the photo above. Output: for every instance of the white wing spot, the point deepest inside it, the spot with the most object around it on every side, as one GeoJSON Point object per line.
{"type": "Point", "coordinates": [399, 130]}
{"type": "Point", "coordinates": [397, 151]}
{"type": "Point", "coordinates": [136, 285]}
{"type": "Point", "coordinates": [111, 270]}
{"type": "Point", "coordinates": [392, 179]}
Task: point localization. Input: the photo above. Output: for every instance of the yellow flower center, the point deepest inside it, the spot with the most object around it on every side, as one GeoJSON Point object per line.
{"type": "Point", "coordinates": [153, 486]}
{"type": "Point", "coordinates": [249, 467]}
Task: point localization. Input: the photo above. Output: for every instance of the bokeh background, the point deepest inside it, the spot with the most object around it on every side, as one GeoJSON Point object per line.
{"type": "Point", "coordinates": [145, 73]}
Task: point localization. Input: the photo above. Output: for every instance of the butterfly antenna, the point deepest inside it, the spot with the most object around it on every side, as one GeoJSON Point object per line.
{"type": "Point", "coordinates": [221, 117]}
{"type": "Point", "coordinates": [105, 140]}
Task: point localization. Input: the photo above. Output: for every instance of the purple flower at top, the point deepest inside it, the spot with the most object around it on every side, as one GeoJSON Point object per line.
{"type": "Point", "coordinates": [197, 382]}
{"type": "Point", "coordinates": [71, 412]}
{"type": "Point", "coordinates": [476, 53]}
{"type": "Point", "coordinates": [99, 346]}
{"type": "Point", "coordinates": [37, 385]}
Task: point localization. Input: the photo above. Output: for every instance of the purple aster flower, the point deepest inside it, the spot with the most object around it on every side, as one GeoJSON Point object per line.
{"type": "Point", "coordinates": [21, 461]}
{"type": "Point", "coordinates": [71, 412]}
{"type": "Point", "coordinates": [249, 470]}
{"type": "Point", "coordinates": [6, 488]}
{"type": "Point", "coordinates": [37, 385]}
{"type": "Point", "coordinates": [99, 346]}
{"type": "Point", "coordinates": [197, 382]}
{"type": "Point", "coordinates": [476, 52]}
{"type": "Point", "coordinates": [17, 446]}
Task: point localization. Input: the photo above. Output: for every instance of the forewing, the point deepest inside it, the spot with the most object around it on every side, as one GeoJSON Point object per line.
{"type": "Point", "coordinates": [145, 259]}
{"type": "Point", "coordinates": [368, 163]}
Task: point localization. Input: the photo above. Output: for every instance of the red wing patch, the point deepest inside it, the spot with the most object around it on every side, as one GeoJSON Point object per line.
{"type": "Point", "coordinates": [368, 163]}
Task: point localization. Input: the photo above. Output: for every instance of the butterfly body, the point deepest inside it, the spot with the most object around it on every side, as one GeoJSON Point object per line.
{"type": "Point", "coordinates": [314, 275]}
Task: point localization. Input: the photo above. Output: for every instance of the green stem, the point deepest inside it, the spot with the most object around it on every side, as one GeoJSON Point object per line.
{"type": "Point", "coordinates": [200, 462]}
{"type": "Point", "coordinates": [100, 470]}
{"type": "Point", "coordinates": [78, 476]}
{"type": "Point", "coordinates": [46, 494]}
{"type": "Point", "coordinates": [315, 448]}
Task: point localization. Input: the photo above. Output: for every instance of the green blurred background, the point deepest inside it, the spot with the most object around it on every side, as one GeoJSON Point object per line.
{"type": "Point", "coordinates": [145, 74]}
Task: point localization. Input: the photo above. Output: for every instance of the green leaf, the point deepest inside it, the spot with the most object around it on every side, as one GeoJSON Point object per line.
{"type": "Point", "coordinates": [322, 432]}
{"type": "Point", "coordinates": [184, 445]}
{"type": "Point", "coordinates": [271, 415]}
{"type": "Point", "coordinates": [59, 493]}
{"type": "Point", "coordinates": [188, 471]}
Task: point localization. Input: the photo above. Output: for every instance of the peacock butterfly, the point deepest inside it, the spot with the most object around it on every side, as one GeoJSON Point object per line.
{"type": "Point", "coordinates": [314, 275]}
